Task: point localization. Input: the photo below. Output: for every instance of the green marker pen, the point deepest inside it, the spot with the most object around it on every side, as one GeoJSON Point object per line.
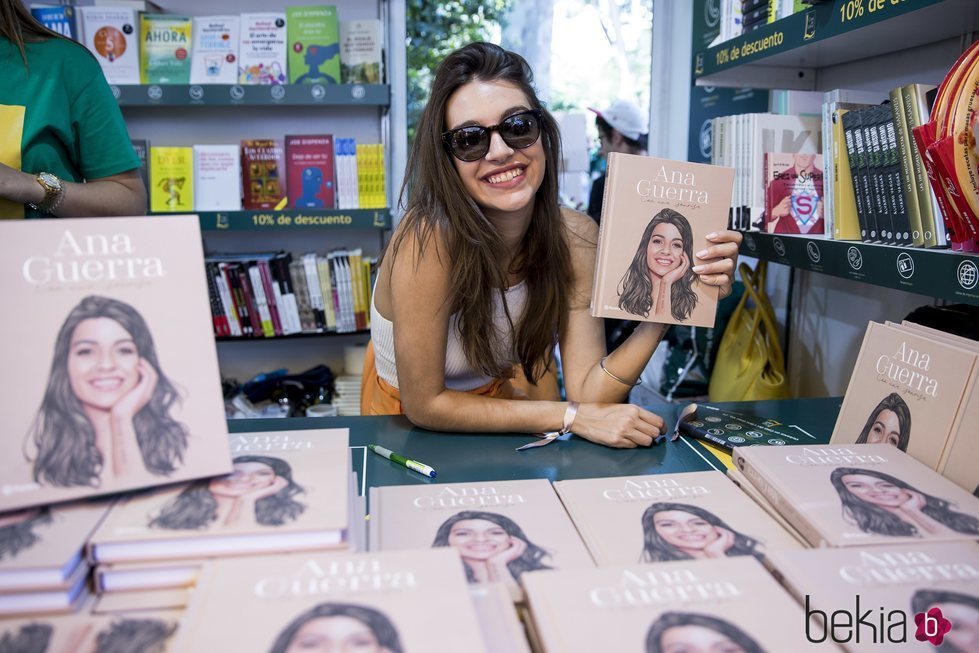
{"type": "Point", "coordinates": [413, 465]}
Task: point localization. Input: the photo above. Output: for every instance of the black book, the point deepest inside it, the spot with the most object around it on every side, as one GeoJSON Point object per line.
{"type": "Point", "coordinates": [747, 6]}
{"type": "Point", "coordinates": [885, 221]}
{"type": "Point", "coordinates": [852, 123]}
{"type": "Point", "coordinates": [892, 176]}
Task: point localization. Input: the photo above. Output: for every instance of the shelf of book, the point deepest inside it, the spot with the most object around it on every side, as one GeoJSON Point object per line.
{"type": "Point", "coordinates": [936, 273]}
{"type": "Point", "coordinates": [290, 220]}
{"type": "Point", "coordinates": [787, 53]}
{"type": "Point", "coordinates": [295, 336]}
{"type": "Point", "coordinates": [169, 95]}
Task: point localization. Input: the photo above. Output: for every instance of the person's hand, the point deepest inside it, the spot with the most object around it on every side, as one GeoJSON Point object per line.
{"type": "Point", "coordinates": [915, 502]}
{"type": "Point", "coordinates": [719, 261]}
{"type": "Point", "coordinates": [677, 273]}
{"type": "Point", "coordinates": [509, 554]}
{"type": "Point", "coordinates": [719, 547]}
{"type": "Point", "coordinates": [260, 493]}
{"type": "Point", "coordinates": [783, 208]}
{"type": "Point", "coordinates": [137, 398]}
{"type": "Point", "coordinates": [623, 426]}
{"type": "Point", "coordinates": [13, 183]}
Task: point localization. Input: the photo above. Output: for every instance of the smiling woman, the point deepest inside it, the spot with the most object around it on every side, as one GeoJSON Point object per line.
{"type": "Point", "coordinates": [486, 273]}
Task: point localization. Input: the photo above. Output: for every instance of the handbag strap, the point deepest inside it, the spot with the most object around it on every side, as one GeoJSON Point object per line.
{"type": "Point", "coordinates": [754, 285]}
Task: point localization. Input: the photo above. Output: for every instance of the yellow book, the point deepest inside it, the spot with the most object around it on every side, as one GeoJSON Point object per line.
{"type": "Point", "coordinates": [846, 223]}
{"type": "Point", "coordinates": [356, 287]}
{"type": "Point", "coordinates": [171, 179]}
{"type": "Point", "coordinates": [326, 287]}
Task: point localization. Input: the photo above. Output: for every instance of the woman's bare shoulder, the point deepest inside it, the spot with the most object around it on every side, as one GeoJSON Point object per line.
{"type": "Point", "coordinates": [582, 230]}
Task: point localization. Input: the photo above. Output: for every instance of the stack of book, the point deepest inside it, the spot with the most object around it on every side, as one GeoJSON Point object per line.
{"type": "Point", "coordinates": [347, 397]}
{"type": "Point", "coordinates": [738, 17]}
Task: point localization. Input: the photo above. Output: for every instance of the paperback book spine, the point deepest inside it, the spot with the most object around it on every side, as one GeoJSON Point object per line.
{"type": "Point", "coordinates": [931, 220]}
{"type": "Point", "coordinates": [903, 146]}
{"type": "Point", "coordinates": [885, 224]}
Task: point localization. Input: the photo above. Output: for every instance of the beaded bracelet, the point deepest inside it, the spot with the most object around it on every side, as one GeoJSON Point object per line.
{"type": "Point", "coordinates": [618, 378]}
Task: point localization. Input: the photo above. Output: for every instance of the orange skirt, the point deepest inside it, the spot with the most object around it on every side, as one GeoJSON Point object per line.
{"type": "Point", "coordinates": [378, 397]}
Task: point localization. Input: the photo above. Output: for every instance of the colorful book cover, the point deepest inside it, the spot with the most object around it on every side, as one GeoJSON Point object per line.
{"type": "Point", "coordinates": [794, 194]}
{"type": "Point", "coordinates": [110, 34]}
{"type": "Point", "coordinates": [262, 49]}
{"type": "Point", "coordinates": [672, 607]}
{"type": "Point", "coordinates": [214, 57]}
{"type": "Point", "coordinates": [502, 529]}
{"type": "Point", "coordinates": [118, 385]}
{"type": "Point", "coordinates": [287, 491]}
{"type": "Point", "coordinates": [905, 391]}
{"type": "Point", "coordinates": [164, 55]}
{"type": "Point", "coordinates": [171, 179]}
{"type": "Point", "coordinates": [878, 598]}
{"type": "Point", "coordinates": [859, 494]}
{"type": "Point", "coordinates": [386, 602]}
{"type": "Point", "coordinates": [688, 516]}
{"type": "Point", "coordinates": [314, 45]}
{"type": "Point", "coordinates": [142, 149]}
{"type": "Point", "coordinates": [360, 52]}
{"type": "Point", "coordinates": [656, 215]}
{"type": "Point", "coordinates": [263, 183]}
{"type": "Point", "coordinates": [57, 19]}
{"type": "Point", "coordinates": [149, 631]}
{"type": "Point", "coordinates": [309, 165]}
{"type": "Point", "coordinates": [217, 177]}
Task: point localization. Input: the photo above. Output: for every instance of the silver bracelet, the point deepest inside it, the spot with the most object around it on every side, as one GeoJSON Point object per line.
{"type": "Point", "coordinates": [618, 378]}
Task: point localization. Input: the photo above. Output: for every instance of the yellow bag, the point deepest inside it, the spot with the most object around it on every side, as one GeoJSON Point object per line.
{"type": "Point", "coordinates": [750, 365]}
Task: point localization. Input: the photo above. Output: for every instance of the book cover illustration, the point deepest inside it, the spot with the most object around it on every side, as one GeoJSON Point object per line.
{"type": "Point", "coordinates": [314, 45]}
{"type": "Point", "coordinates": [150, 631]}
{"type": "Point", "coordinates": [58, 19]}
{"type": "Point", "coordinates": [214, 57]}
{"type": "Point", "coordinates": [110, 34]}
{"type": "Point", "coordinates": [501, 529]}
{"type": "Point", "coordinates": [262, 49]}
{"type": "Point", "coordinates": [658, 212]}
{"type": "Point", "coordinates": [217, 177]}
{"type": "Point", "coordinates": [672, 607]}
{"type": "Point", "coordinates": [794, 194]}
{"type": "Point", "coordinates": [360, 52]}
{"type": "Point", "coordinates": [309, 161]}
{"type": "Point", "coordinates": [164, 56]}
{"type": "Point", "coordinates": [118, 385]}
{"type": "Point", "coordinates": [287, 491]}
{"type": "Point", "coordinates": [860, 494]}
{"type": "Point", "coordinates": [393, 602]}
{"type": "Point", "coordinates": [263, 182]}
{"type": "Point", "coordinates": [687, 516]}
{"type": "Point", "coordinates": [171, 179]}
{"type": "Point", "coordinates": [890, 588]}
{"type": "Point", "coordinates": [905, 391]}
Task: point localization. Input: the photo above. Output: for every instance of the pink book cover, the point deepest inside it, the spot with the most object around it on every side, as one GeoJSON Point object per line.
{"type": "Point", "coordinates": [688, 516]}
{"type": "Point", "coordinates": [905, 390]}
{"type": "Point", "coordinates": [502, 529]}
{"type": "Point", "coordinates": [150, 631]}
{"type": "Point", "coordinates": [311, 180]}
{"type": "Point", "coordinates": [118, 385]}
{"type": "Point", "coordinates": [683, 606]}
{"type": "Point", "coordinates": [859, 494]}
{"type": "Point", "coordinates": [655, 217]}
{"type": "Point", "coordinates": [393, 602]}
{"type": "Point", "coordinates": [498, 618]}
{"type": "Point", "coordinates": [794, 196]}
{"type": "Point", "coordinates": [877, 598]}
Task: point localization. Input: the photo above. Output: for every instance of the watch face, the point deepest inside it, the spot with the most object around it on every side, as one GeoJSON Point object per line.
{"type": "Point", "coordinates": [50, 180]}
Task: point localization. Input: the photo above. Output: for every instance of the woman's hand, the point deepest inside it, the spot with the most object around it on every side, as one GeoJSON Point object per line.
{"type": "Point", "coordinates": [677, 273]}
{"type": "Point", "coordinates": [719, 547]}
{"type": "Point", "coordinates": [137, 398]}
{"type": "Point", "coordinates": [622, 426]}
{"type": "Point", "coordinates": [915, 502]}
{"type": "Point", "coordinates": [719, 261]}
{"type": "Point", "coordinates": [508, 555]}
{"type": "Point", "coordinates": [272, 488]}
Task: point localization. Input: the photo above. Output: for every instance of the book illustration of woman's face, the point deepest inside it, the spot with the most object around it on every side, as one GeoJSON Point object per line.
{"type": "Point", "coordinates": [964, 635]}
{"type": "Point", "coordinates": [246, 477]}
{"type": "Point", "coordinates": [684, 530]}
{"type": "Point", "coordinates": [478, 539]}
{"type": "Point", "coordinates": [339, 634]}
{"type": "Point", "coordinates": [886, 429]}
{"type": "Point", "coordinates": [697, 639]}
{"type": "Point", "coordinates": [875, 491]}
{"type": "Point", "coordinates": [18, 517]}
{"type": "Point", "coordinates": [665, 249]}
{"type": "Point", "coordinates": [103, 362]}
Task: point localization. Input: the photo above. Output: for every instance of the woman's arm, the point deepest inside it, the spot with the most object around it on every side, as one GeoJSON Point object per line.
{"type": "Point", "coordinates": [121, 194]}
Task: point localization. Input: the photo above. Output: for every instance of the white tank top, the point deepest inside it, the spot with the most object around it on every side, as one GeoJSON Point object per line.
{"type": "Point", "coordinates": [459, 375]}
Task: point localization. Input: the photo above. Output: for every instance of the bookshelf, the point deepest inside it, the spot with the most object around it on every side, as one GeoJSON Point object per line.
{"type": "Point", "coordinates": [295, 336]}
{"type": "Point", "coordinates": [291, 220]}
{"type": "Point", "coordinates": [223, 95]}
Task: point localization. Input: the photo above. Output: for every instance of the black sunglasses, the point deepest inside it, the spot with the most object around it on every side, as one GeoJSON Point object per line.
{"type": "Point", "coordinates": [519, 131]}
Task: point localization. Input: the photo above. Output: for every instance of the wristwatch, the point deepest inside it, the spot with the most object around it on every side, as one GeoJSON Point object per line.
{"type": "Point", "coordinates": [54, 193]}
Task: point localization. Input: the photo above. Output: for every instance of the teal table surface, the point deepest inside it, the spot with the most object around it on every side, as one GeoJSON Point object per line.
{"type": "Point", "coordinates": [462, 457]}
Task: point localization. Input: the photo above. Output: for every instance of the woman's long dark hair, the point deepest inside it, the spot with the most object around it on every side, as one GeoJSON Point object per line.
{"type": "Point", "coordinates": [636, 287]}
{"type": "Point", "coordinates": [667, 620]}
{"type": "Point", "coordinates": [64, 436]}
{"type": "Point", "coordinates": [874, 519]}
{"type": "Point", "coordinates": [377, 621]}
{"type": "Point", "coordinates": [531, 558]}
{"type": "Point", "coordinates": [656, 549]}
{"type": "Point", "coordinates": [130, 635]}
{"type": "Point", "coordinates": [16, 537]}
{"type": "Point", "coordinates": [436, 202]}
{"type": "Point", "coordinates": [896, 404]}
{"type": "Point", "coordinates": [924, 600]}
{"type": "Point", "coordinates": [30, 638]}
{"type": "Point", "coordinates": [195, 508]}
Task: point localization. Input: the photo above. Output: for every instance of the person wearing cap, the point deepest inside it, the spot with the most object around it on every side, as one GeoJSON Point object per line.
{"type": "Point", "coordinates": [623, 127]}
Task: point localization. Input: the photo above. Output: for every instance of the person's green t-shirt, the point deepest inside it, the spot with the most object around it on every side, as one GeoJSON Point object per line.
{"type": "Point", "coordinates": [72, 125]}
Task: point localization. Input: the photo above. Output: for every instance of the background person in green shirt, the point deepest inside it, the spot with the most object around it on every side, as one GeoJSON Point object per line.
{"type": "Point", "coordinates": [60, 127]}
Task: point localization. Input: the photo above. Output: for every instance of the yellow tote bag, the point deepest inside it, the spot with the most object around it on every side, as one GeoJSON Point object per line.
{"type": "Point", "coordinates": [750, 365]}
